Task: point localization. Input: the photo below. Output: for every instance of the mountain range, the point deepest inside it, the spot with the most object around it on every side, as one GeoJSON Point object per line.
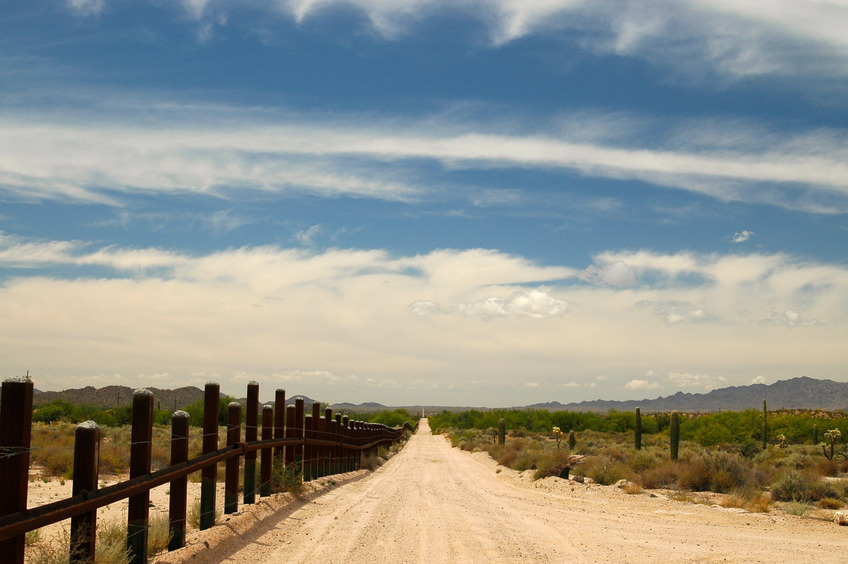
{"type": "Point", "coordinates": [795, 393]}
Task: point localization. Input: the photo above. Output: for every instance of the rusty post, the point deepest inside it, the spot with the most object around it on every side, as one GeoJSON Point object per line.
{"type": "Point", "coordinates": [141, 447]}
{"type": "Point", "coordinates": [179, 487]}
{"type": "Point", "coordinates": [266, 462]}
{"type": "Point", "coordinates": [345, 438]}
{"type": "Point", "coordinates": [209, 475]}
{"type": "Point", "coordinates": [280, 426]}
{"type": "Point", "coordinates": [251, 434]}
{"type": "Point", "coordinates": [328, 436]}
{"type": "Point", "coordinates": [338, 449]}
{"type": "Point", "coordinates": [322, 451]}
{"type": "Point", "coordinates": [308, 448]}
{"type": "Point", "coordinates": [290, 434]}
{"type": "Point", "coordinates": [86, 469]}
{"type": "Point", "coordinates": [231, 474]}
{"type": "Point", "coordinates": [331, 451]}
{"type": "Point", "coordinates": [298, 433]}
{"type": "Point", "coordinates": [15, 438]}
{"type": "Point", "coordinates": [316, 433]}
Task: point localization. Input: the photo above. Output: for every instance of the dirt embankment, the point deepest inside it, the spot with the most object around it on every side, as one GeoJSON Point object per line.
{"type": "Point", "coordinates": [432, 503]}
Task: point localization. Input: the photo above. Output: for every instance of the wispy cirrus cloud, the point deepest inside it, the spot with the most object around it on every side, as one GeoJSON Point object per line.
{"type": "Point", "coordinates": [70, 160]}
{"type": "Point", "coordinates": [699, 37]}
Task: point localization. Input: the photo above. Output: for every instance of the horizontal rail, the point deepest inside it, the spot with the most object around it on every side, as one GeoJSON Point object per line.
{"type": "Point", "coordinates": [20, 523]}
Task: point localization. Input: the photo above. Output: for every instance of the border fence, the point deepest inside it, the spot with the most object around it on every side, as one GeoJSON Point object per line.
{"type": "Point", "coordinates": [306, 445]}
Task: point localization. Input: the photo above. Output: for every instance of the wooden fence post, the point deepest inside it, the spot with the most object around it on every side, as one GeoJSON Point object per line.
{"type": "Point", "coordinates": [15, 439]}
{"type": "Point", "coordinates": [231, 474]}
{"type": "Point", "coordinates": [86, 469]}
{"type": "Point", "coordinates": [250, 435]}
{"type": "Point", "coordinates": [209, 475]}
{"type": "Point", "coordinates": [179, 487]}
{"type": "Point", "coordinates": [266, 462]}
{"type": "Point", "coordinates": [138, 512]}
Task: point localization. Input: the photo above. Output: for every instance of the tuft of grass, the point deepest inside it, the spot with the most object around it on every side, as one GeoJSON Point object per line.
{"type": "Point", "coordinates": [831, 503]}
{"type": "Point", "coordinates": [796, 508]}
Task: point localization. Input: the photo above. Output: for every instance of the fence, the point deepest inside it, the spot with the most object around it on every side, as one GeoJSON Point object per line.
{"type": "Point", "coordinates": [309, 446]}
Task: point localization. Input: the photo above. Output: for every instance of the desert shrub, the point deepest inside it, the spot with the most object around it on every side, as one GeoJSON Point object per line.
{"type": "Point", "coordinates": [661, 476]}
{"type": "Point", "coordinates": [831, 503]}
{"type": "Point", "coordinates": [551, 463]}
{"type": "Point", "coordinates": [797, 486]}
{"type": "Point", "coordinates": [693, 474]}
{"type": "Point", "coordinates": [644, 459]}
{"type": "Point", "coordinates": [603, 470]}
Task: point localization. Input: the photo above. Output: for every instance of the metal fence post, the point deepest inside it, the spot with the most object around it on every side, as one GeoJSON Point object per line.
{"type": "Point", "coordinates": [231, 473]}
{"type": "Point", "coordinates": [298, 430]}
{"type": "Point", "coordinates": [280, 431]}
{"type": "Point", "coordinates": [290, 434]}
{"type": "Point", "coordinates": [179, 487]}
{"type": "Point", "coordinates": [138, 512]}
{"type": "Point", "coordinates": [86, 469]}
{"type": "Point", "coordinates": [250, 435]}
{"type": "Point", "coordinates": [266, 462]}
{"type": "Point", "coordinates": [209, 475]}
{"type": "Point", "coordinates": [15, 438]}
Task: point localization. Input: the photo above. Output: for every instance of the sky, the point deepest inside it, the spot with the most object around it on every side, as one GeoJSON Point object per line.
{"type": "Point", "coordinates": [488, 203]}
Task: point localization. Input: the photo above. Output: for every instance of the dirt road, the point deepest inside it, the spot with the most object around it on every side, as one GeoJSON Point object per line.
{"type": "Point", "coordinates": [432, 503]}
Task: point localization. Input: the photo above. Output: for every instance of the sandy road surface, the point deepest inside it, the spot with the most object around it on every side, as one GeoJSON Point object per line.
{"type": "Point", "coordinates": [432, 503]}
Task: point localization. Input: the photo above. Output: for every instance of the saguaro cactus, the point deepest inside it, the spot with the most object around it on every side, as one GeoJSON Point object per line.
{"type": "Point", "coordinates": [572, 440]}
{"type": "Point", "coordinates": [674, 435]}
{"type": "Point", "coordinates": [502, 431]}
{"type": "Point", "coordinates": [638, 429]}
{"type": "Point", "coordinates": [765, 425]}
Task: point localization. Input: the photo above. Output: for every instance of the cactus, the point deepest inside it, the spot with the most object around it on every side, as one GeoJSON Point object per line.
{"type": "Point", "coordinates": [765, 425]}
{"type": "Point", "coordinates": [815, 434]}
{"type": "Point", "coordinates": [502, 431]}
{"type": "Point", "coordinates": [674, 435]}
{"type": "Point", "coordinates": [572, 440]}
{"type": "Point", "coordinates": [638, 429]}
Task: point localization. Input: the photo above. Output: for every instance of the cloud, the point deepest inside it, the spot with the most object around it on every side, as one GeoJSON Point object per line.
{"type": "Point", "coordinates": [306, 237]}
{"type": "Point", "coordinates": [533, 303]}
{"type": "Point", "coordinates": [637, 384]}
{"type": "Point", "coordinates": [390, 159]}
{"type": "Point", "coordinates": [425, 307]}
{"type": "Point", "coordinates": [674, 312]}
{"type": "Point", "coordinates": [345, 323]}
{"type": "Point", "coordinates": [700, 381]}
{"type": "Point", "coordinates": [790, 318]}
{"type": "Point", "coordinates": [614, 273]}
{"type": "Point", "coordinates": [700, 38]}
{"type": "Point", "coordinates": [758, 380]}
{"type": "Point", "coordinates": [86, 7]}
{"type": "Point", "coordinates": [742, 236]}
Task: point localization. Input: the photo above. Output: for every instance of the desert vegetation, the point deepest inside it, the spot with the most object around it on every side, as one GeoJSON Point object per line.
{"type": "Point", "coordinates": [756, 459]}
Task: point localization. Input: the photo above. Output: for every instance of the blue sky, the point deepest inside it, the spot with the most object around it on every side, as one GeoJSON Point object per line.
{"type": "Point", "coordinates": [469, 203]}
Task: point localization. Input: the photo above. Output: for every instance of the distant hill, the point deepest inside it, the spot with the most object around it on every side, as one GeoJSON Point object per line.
{"type": "Point", "coordinates": [114, 396]}
{"type": "Point", "coordinates": [795, 393]}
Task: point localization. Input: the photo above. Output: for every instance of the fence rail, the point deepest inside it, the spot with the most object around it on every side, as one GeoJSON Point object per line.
{"type": "Point", "coordinates": [308, 445]}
